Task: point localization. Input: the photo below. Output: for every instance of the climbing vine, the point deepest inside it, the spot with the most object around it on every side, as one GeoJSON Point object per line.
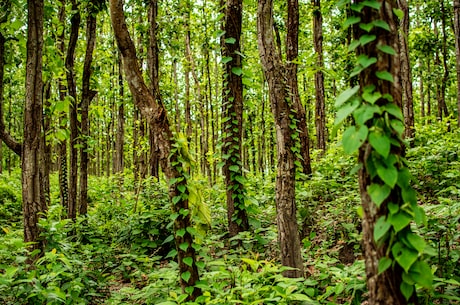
{"type": "Point", "coordinates": [377, 132]}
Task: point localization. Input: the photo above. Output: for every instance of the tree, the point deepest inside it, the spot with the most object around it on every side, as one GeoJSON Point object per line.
{"type": "Point", "coordinates": [171, 155]}
{"type": "Point", "coordinates": [457, 52]}
{"type": "Point", "coordinates": [232, 118]}
{"type": "Point", "coordinates": [274, 71]}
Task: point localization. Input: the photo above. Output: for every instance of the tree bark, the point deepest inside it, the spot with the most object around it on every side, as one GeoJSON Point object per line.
{"type": "Point", "coordinates": [457, 52]}
{"type": "Point", "coordinates": [274, 71]}
{"type": "Point", "coordinates": [232, 118]}
{"type": "Point", "coordinates": [153, 110]}
{"type": "Point", "coordinates": [320, 108]}
{"type": "Point", "coordinates": [292, 52]}
{"type": "Point", "coordinates": [120, 137]}
{"type": "Point", "coordinates": [32, 153]}
{"type": "Point", "coordinates": [87, 97]}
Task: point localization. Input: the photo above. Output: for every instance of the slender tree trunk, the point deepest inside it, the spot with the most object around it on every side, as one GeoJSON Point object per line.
{"type": "Point", "coordinates": [274, 71]}
{"type": "Point", "coordinates": [120, 137]}
{"type": "Point", "coordinates": [292, 52]}
{"type": "Point", "coordinates": [32, 153]}
{"type": "Point", "coordinates": [320, 108]}
{"type": "Point", "coordinates": [232, 118]}
{"type": "Point", "coordinates": [87, 97]}
{"type": "Point", "coordinates": [406, 74]}
{"type": "Point", "coordinates": [45, 163]}
{"type": "Point", "coordinates": [72, 89]}
{"type": "Point", "coordinates": [457, 52]}
{"type": "Point", "coordinates": [153, 110]}
{"type": "Point", "coordinates": [445, 54]}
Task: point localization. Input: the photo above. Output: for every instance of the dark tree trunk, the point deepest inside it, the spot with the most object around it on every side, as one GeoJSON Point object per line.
{"type": "Point", "coordinates": [457, 52]}
{"type": "Point", "coordinates": [384, 288]}
{"type": "Point", "coordinates": [153, 110]}
{"type": "Point", "coordinates": [87, 97]}
{"type": "Point", "coordinates": [32, 153]}
{"type": "Point", "coordinates": [445, 55]}
{"type": "Point", "coordinates": [120, 137]}
{"type": "Point", "coordinates": [274, 71]}
{"type": "Point", "coordinates": [72, 90]}
{"type": "Point", "coordinates": [406, 74]}
{"type": "Point", "coordinates": [320, 108]}
{"type": "Point", "coordinates": [232, 118]}
{"type": "Point", "coordinates": [292, 52]}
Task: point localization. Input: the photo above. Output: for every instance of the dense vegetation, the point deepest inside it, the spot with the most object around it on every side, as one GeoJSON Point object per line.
{"type": "Point", "coordinates": [229, 152]}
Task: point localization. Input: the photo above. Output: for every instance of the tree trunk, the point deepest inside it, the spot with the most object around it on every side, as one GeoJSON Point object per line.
{"type": "Point", "coordinates": [274, 71]}
{"type": "Point", "coordinates": [87, 97]}
{"type": "Point", "coordinates": [153, 110]}
{"type": "Point", "coordinates": [406, 74]}
{"type": "Point", "coordinates": [320, 108]}
{"type": "Point", "coordinates": [120, 137]}
{"type": "Point", "coordinates": [445, 54]}
{"type": "Point", "coordinates": [292, 52]}
{"type": "Point", "coordinates": [457, 52]}
{"type": "Point", "coordinates": [72, 89]}
{"type": "Point", "coordinates": [32, 153]}
{"type": "Point", "coordinates": [232, 118]}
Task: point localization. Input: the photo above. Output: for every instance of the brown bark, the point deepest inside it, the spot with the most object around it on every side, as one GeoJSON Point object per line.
{"type": "Point", "coordinates": [232, 118]}
{"type": "Point", "coordinates": [72, 91]}
{"type": "Point", "coordinates": [32, 153]}
{"type": "Point", "coordinates": [445, 76]}
{"type": "Point", "coordinates": [87, 97]}
{"type": "Point", "coordinates": [120, 136]}
{"type": "Point", "coordinates": [320, 106]}
{"type": "Point", "coordinates": [292, 52]}
{"type": "Point", "coordinates": [457, 52]}
{"type": "Point", "coordinates": [152, 109]}
{"type": "Point", "coordinates": [274, 71]}
{"type": "Point", "coordinates": [406, 74]}
{"type": "Point", "coordinates": [384, 288]}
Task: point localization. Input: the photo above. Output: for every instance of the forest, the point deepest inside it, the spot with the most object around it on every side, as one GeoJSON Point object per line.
{"type": "Point", "coordinates": [230, 152]}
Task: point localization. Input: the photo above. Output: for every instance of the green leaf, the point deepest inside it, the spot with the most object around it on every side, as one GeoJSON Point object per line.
{"type": "Point", "coordinates": [372, 3]}
{"type": "Point", "coordinates": [188, 261]}
{"type": "Point", "coordinates": [421, 273]}
{"type": "Point", "coordinates": [400, 220]}
{"type": "Point", "coordinates": [353, 45]}
{"type": "Point", "coordinates": [394, 110]}
{"type": "Point", "coordinates": [176, 199]}
{"type": "Point", "coordinates": [407, 290]}
{"type": "Point", "coordinates": [387, 49]}
{"type": "Point", "coordinates": [351, 20]}
{"type": "Point", "coordinates": [371, 97]}
{"type": "Point", "coordinates": [389, 174]}
{"type": "Point", "coordinates": [180, 232]}
{"type": "Point", "coordinates": [237, 71]}
{"type": "Point", "coordinates": [378, 193]}
{"type": "Point", "coordinates": [230, 40]}
{"type": "Point", "coordinates": [416, 242]}
{"type": "Point", "coordinates": [365, 61]}
{"type": "Point", "coordinates": [353, 138]}
{"type": "Point", "coordinates": [184, 246]}
{"type": "Point", "coordinates": [234, 168]}
{"type": "Point", "coordinates": [404, 256]}
{"type": "Point", "coordinates": [226, 59]}
{"type": "Point", "coordinates": [381, 228]}
{"type": "Point", "coordinates": [393, 207]}
{"type": "Point", "coordinates": [345, 96]}
{"type": "Point", "coordinates": [181, 188]}
{"type": "Point", "coordinates": [398, 126]}
{"type": "Point", "coordinates": [186, 275]}
{"type": "Point", "coordinates": [365, 113]}
{"type": "Point", "coordinates": [404, 178]}
{"type": "Point", "coordinates": [365, 39]}
{"type": "Point", "coordinates": [399, 13]}
{"type": "Point", "coordinates": [384, 264]}
{"type": "Point", "coordinates": [380, 142]}
{"type": "Point", "coordinates": [381, 24]}
{"type": "Point", "coordinates": [345, 111]}
{"type": "Point", "coordinates": [384, 75]}
{"type": "Point", "coordinates": [366, 26]}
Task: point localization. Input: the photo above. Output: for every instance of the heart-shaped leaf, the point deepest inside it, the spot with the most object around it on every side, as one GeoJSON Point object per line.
{"type": "Point", "coordinates": [353, 138]}
{"type": "Point", "coordinates": [389, 174]}
{"type": "Point", "coordinates": [381, 228]}
{"type": "Point", "coordinates": [378, 193]}
{"type": "Point", "coordinates": [380, 142]}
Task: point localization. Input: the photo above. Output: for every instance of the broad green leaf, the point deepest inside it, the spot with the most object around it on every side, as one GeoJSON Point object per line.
{"type": "Point", "coordinates": [384, 264]}
{"type": "Point", "coordinates": [378, 193]}
{"type": "Point", "coordinates": [353, 138]}
{"type": "Point", "coordinates": [234, 168]}
{"type": "Point", "coordinates": [188, 261]}
{"type": "Point", "coordinates": [371, 97]}
{"type": "Point", "coordinates": [345, 111]}
{"type": "Point", "coordinates": [381, 228]}
{"type": "Point", "coordinates": [180, 232]}
{"type": "Point", "coordinates": [407, 290]}
{"type": "Point", "coordinates": [366, 26]}
{"type": "Point", "coordinates": [389, 174]}
{"type": "Point", "coordinates": [226, 59]}
{"type": "Point", "coordinates": [416, 241]}
{"type": "Point", "coordinates": [384, 75]}
{"type": "Point", "coordinates": [421, 273]}
{"type": "Point", "coordinates": [404, 178]}
{"type": "Point", "coordinates": [394, 111]}
{"type": "Point", "coordinates": [299, 297]}
{"type": "Point", "coordinates": [398, 126]}
{"type": "Point", "coordinates": [181, 188]}
{"type": "Point", "coordinates": [237, 71]}
{"type": "Point", "coordinates": [380, 142]}
{"type": "Point", "coordinates": [399, 13]}
{"type": "Point", "coordinates": [230, 40]}
{"type": "Point", "coordinates": [365, 61]}
{"type": "Point", "coordinates": [393, 207]}
{"type": "Point", "coordinates": [399, 220]}
{"type": "Point", "coordinates": [345, 96]}
{"type": "Point", "coordinates": [186, 276]}
{"type": "Point", "coordinates": [365, 39]}
{"type": "Point", "coordinates": [365, 113]}
{"type": "Point", "coordinates": [381, 24]}
{"type": "Point", "coordinates": [184, 246]}
{"type": "Point", "coordinates": [351, 20]}
{"type": "Point", "coordinates": [353, 45]}
{"type": "Point", "coordinates": [372, 3]}
{"type": "Point", "coordinates": [387, 49]}
{"type": "Point", "coordinates": [419, 215]}
{"type": "Point", "coordinates": [404, 256]}
{"type": "Point", "coordinates": [409, 196]}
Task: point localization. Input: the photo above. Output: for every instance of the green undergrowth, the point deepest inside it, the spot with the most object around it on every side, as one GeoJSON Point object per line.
{"type": "Point", "coordinates": [123, 252]}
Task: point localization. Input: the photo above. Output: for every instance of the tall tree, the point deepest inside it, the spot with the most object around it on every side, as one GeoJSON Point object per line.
{"type": "Point", "coordinates": [275, 74]}
{"type": "Point", "coordinates": [32, 152]}
{"type": "Point", "coordinates": [292, 52]}
{"type": "Point", "coordinates": [232, 118]}
{"type": "Point", "coordinates": [170, 158]}
{"type": "Point", "coordinates": [457, 52]}
{"type": "Point", "coordinates": [320, 107]}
